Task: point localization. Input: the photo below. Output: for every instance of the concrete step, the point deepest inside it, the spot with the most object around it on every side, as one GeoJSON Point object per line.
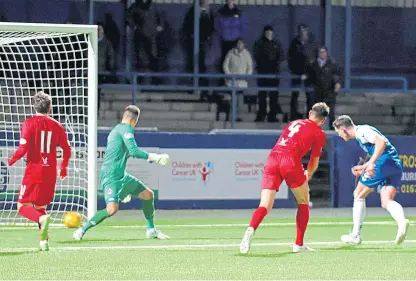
{"type": "Point", "coordinates": [362, 109]}
{"type": "Point", "coordinates": [380, 120]}
{"type": "Point", "coordinates": [391, 129]}
{"type": "Point", "coordinates": [190, 107]}
{"type": "Point", "coordinates": [158, 106]}
{"type": "Point", "coordinates": [208, 115]}
{"type": "Point", "coordinates": [389, 99]}
{"type": "Point", "coordinates": [249, 125]}
{"type": "Point", "coordinates": [144, 106]}
{"type": "Point", "coordinates": [110, 115]}
{"type": "Point", "coordinates": [178, 125]}
{"type": "Point", "coordinates": [165, 115]}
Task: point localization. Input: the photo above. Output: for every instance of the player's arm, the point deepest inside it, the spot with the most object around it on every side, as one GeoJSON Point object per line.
{"type": "Point", "coordinates": [359, 169]}
{"type": "Point", "coordinates": [66, 149]}
{"type": "Point", "coordinates": [24, 144]}
{"type": "Point", "coordinates": [379, 146]}
{"type": "Point", "coordinates": [136, 152]}
{"type": "Point", "coordinates": [316, 155]}
{"type": "Point", "coordinates": [132, 147]}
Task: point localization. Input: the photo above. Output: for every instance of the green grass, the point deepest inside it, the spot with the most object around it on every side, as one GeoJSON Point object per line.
{"type": "Point", "coordinates": [208, 253]}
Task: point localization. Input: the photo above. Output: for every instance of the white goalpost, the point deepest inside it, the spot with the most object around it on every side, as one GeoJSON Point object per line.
{"type": "Point", "coordinates": [61, 60]}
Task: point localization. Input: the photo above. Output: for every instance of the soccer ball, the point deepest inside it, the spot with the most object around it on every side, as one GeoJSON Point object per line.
{"type": "Point", "coordinates": [72, 220]}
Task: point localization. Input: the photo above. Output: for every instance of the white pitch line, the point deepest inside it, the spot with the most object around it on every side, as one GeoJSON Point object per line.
{"type": "Point", "coordinates": [245, 224]}
{"type": "Point", "coordinates": [192, 246]}
{"type": "Point", "coordinates": [212, 225]}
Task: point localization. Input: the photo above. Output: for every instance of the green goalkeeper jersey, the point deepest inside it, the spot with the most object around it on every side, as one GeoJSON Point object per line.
{"type": "Point", "coordinates": [120, 146]}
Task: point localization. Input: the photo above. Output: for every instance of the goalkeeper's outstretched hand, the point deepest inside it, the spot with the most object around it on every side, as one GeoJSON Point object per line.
{"type": "Point", "coordinates": [162, 159]}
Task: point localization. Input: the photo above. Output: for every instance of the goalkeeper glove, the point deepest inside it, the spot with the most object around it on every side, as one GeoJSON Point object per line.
{"type": "Point", "coordinates": [126, 199]}
{"type": "Point", "coordinates": [161, 159]}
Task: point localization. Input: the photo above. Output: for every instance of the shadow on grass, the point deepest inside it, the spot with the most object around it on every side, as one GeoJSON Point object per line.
{"type": "Point", "coordinates": [89, 240]}
{"type": "Point", "coordinates": [267, 255]}
{"type": "Point", "coordinates": [15, 253]}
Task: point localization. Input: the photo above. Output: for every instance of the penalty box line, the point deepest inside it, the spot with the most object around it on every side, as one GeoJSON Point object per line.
{"type": "Point", "coordinates": [193, 246]}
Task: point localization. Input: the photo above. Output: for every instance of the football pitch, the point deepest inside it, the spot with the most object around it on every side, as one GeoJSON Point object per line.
{"type": "Point", "coordinates": [205, 246]}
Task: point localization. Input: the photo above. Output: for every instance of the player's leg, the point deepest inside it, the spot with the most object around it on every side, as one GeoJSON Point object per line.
{"type": "Point", "coordinates": [301, 194]}
{"type": "Point", "coordinates": [387, 194]}
{"type": "Point", "coordinates": [266, 204]}
{"type": "Point", "coordinates": [110, 210]}
{"type": "Point", "coordinates": [28, 211]}
{"type": "Point", "coordinates": [39, 195]}
{"type": "Point", "coordinates": [43, 224]}
{"type": "Point", "coordinates": [270, 185]}
{"type": "Point", "coordinates": [27, 194]}
{"type": "Point", "coordinates": [297, 181]}
{"type": "Point", "coordinates": [136, 188]}
{"type": "Point", "coordinates": [364, 187]}
{"type": "Point", "coordinates": [111, 196]}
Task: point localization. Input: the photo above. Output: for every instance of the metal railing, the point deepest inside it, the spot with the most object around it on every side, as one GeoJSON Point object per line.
{"type": "Point", "coordinates": [136, 87]}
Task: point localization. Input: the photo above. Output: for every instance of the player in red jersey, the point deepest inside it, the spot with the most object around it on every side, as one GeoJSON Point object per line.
{"type": "Point", "coordinates": [39, 137]}
{"type": "Point", "coordinates": [285, 163]}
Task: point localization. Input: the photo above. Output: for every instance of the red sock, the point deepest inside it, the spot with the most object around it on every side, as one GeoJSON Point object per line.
{"type": "Point", "coordinates": [257, 217]}
{"type": "Point", "coordinates": [30, 213]}
{"type": "Point", "coordinates": [302, 219]}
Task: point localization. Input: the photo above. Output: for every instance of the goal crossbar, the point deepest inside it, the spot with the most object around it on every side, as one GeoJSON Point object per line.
{"type": "Point", "coordinates": [46, 27]}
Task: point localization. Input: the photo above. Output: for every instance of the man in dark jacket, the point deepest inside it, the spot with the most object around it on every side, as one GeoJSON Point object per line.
{"type": "Point", "coordinates": [230, 24]}
{"type": "Point", "coordinates": [112, 32]}
{"type": "Point", "coordinates": [206, 29]}
{"type": "Point", "coordinates": [146, 21]}
{"type": "Point", "coordinates": [268, 54]}
{"type": "Point", "coordinates": [302, 50]}
{"type": "Point", "coordinates": [325, 76]}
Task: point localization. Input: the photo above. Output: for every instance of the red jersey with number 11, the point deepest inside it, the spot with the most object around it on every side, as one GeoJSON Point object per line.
{"type": "Point", "coordinates": [299, 137]}
{"type": "Point", "coordinates": [39, 137]}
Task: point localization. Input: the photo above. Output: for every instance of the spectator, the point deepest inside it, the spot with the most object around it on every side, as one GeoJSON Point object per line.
{"type": "Point", "coordinates": [112, 32]}
{"type": "Point", "coordinates": [325, 76]}
{"type": "Point", "coordinates": [106, 60]}
{"type": "Point", "coordinates": [268, 54]}
{"type": "Point", "coordinates": [146, 21]}
{"type": "Point", "coordinates": [230, 24]}
{"type": "Point", "coordinates": [302, 50]}
{"type": "Point", "coordinates": [238, 61]}
{"type": "Point", "coordinates": [206, 29]}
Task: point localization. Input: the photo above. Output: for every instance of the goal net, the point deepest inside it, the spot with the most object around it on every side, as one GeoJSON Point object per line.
{"type": "Point", "coordinates": [61, 61]}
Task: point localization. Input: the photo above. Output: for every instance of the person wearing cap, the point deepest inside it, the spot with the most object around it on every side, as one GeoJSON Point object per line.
{"type": "Point", "coordinates": [326, 77]}
{"type": "Point", "coordinates": [268, 55]}
{"type": "Point", "coordinates": [302, 50]}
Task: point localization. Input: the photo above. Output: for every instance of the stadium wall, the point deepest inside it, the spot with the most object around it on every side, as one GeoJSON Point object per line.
{"type": "Point", "coordinates": [224, 171]}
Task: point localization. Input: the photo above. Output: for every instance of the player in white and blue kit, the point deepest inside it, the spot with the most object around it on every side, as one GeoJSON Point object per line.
{"type": "Point", "coordinates": [383, 170]}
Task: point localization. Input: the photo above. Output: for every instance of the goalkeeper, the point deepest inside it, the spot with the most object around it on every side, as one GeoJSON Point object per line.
{"type": "Point", "coordinates": [116, 183]}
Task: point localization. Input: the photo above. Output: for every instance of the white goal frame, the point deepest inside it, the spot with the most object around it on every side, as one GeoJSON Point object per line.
{"type": "Point", "coordinates": [92, 32]}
